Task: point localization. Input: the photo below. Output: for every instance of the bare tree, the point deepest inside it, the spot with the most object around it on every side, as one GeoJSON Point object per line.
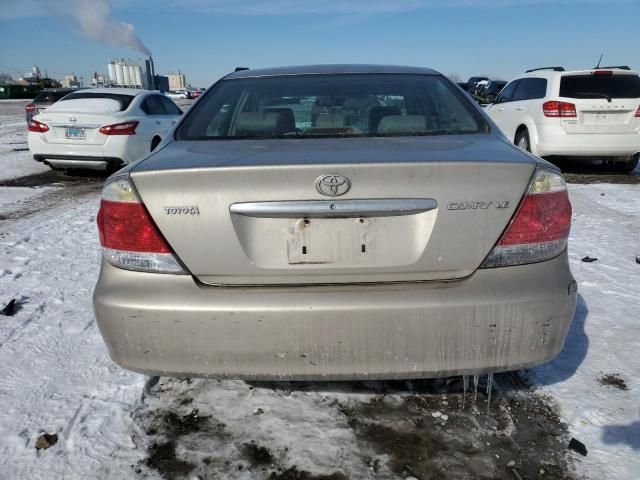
{"type": "Point", "coordinates": [5, 78]}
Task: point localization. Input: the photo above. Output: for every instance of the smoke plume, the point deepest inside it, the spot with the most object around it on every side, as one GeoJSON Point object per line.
{"type": "Point", "coordinates": [93, 20]}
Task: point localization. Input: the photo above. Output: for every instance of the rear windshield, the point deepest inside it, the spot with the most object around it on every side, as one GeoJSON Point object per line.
{"type": "Point", "coordinates": [49, 97]}
{"type": "Point", "coordinates": [600, 86]}
{"type": "Point", "coordinates": [355, 105]}
{"type": "Point", "coordinates": [95, 102]}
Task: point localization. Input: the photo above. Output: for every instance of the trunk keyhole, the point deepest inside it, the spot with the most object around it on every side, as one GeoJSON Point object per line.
{"type": "Point", "coordinates": [304, 249]}
{"type": "Point", "coordinates": [363, 248]}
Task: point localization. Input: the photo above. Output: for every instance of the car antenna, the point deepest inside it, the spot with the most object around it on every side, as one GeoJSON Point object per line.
{"type": "Point", "coordinates": [601, 55]}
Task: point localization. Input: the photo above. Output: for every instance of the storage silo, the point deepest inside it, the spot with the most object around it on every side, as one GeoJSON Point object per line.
{"type": "Point", "coordinates": [119, 73]}
{"type": "Point", "coordinates": [132, 74]}
{"type": "Point", "coordinates": [127, 78]}
{"type": "Point", "coordinates": [112, 72]}
{"type": "Point", "coordinates": [138, 71]}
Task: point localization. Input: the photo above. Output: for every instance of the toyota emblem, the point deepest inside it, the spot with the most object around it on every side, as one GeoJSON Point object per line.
{"type": "Point", "coordinates": [332, 185]}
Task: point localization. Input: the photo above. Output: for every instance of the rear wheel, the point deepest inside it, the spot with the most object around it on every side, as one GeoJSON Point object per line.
{"type": "Point", "coordinates": [522, 140]}
{"type": "Point", "coordinates": [624, 166]}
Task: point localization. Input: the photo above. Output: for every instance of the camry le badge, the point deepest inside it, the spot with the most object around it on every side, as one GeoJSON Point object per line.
{"type": "Point", "coordinates": [477, 205]}
{"type": "Point", "coordinates": [332, 185]}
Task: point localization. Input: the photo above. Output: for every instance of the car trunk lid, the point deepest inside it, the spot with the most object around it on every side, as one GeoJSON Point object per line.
{"type": "Point", "coordinates": [250, 212]}
{"type": "Point", "coordinates": [75, 128]}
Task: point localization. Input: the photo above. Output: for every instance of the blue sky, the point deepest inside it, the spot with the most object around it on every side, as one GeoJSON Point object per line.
{"type": "Point", "coordinates": [207, 39]}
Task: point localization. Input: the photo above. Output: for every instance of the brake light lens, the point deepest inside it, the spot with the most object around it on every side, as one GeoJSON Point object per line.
{"type": "Point", "coordinates": [555, 108]}
{"type": "Point", "coordinates": [38, 127]}
{"type": "Point", "coordinates": [125, 128]}
{"type": "Point", "coordinates": [602, 72]}
{"type": "Point", "coordinates": [539, 230]}
{"type": "Point", "coordinates": [30, 107]}
{"type": "Point", "coordinates": [129, 237]}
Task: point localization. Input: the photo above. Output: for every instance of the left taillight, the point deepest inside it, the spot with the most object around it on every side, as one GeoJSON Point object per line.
{"type": "Point", "coordinates": [539, 229]}
{"type": "Point", "coordinates": [38, 127]}
{"type": "Point", "coordinates": [554, 108]}
{"type": "Point", "coordinates": [638, 113]}
{"type": "Point", "coordinates": [129, 237]}
{"type": "Point", "coordinates": [124, 128]}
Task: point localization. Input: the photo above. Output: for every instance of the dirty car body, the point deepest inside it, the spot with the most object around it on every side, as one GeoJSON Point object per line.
{"type": "Point", "coordinates": [334, 222]}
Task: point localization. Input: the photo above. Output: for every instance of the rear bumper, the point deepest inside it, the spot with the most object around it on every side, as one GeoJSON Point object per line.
{"type": "Point", "coordinates": [552, 140]}
{"type": "Point", "coordinates": [117, 149]}
{"type": "Point", "coordinates": [68, 161]}
{"type": "Point", "coordinates": [497, 319]}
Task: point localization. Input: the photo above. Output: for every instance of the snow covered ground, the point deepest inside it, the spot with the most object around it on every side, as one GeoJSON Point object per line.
{"type": "Point", "coordinates": [15, 159]}
{"type": "Point", "coordinates": [56, 377]}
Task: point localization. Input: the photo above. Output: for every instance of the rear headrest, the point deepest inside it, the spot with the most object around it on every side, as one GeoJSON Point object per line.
{"type": "Point", "coordinates": [330, 120]}
{"type": "Point", "coordinates": [377, 113]}
{"type": "Point", "coordinates": [261, 124]}
{"type": "Point", "coordinates": [287, 113]}
{"type": "Point", "coordinates": [403, 124]}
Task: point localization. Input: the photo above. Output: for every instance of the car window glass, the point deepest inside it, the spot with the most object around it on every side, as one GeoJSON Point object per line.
{"type": "Point", "coordinates": [530, 88]}
{"type": "Point", "coordinates": [152, 105]}
{"type": "Point", "coordinates": [332, 105]}
{"type": "Point", "coordinates": [507, 92]}
{"type": "Point", "coordinates": [169, 107]}
{"type": "Point", "coordinates": [600, 86]}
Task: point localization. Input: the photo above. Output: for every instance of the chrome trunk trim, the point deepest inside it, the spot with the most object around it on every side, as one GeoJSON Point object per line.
{"type": "Point", "coordinates": [335, 208]}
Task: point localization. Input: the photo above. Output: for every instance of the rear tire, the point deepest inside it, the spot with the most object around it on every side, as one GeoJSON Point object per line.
{"type": "Point", "coordinates": [625, 166]}
{"type": "Point", "coordinates": [155, 142]}
{"type": "Point", "coordinates": [522, 140]}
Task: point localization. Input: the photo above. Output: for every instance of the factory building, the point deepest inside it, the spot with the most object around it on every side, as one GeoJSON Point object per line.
{"type": "Point", "coordinates": [177, 81]}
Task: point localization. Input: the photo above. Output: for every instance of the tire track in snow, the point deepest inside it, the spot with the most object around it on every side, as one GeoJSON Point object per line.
{"type": "Point", "coordinates": [57, 377]}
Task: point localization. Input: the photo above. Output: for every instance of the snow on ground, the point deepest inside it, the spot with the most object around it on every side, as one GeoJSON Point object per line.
{"type": "Point", "coordinates": [15, 159]}
{"type": "Point", "coordinates": [56, 377]}
{"type": "Point", "coordinates": [605, 336]}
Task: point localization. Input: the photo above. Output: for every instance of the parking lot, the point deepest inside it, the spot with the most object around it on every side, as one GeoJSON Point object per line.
{"type": "Point", "coordinates": [111, 423]}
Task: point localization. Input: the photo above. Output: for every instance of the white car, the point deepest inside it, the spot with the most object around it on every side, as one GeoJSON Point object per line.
{"type": "Point", "coordinates": [183, 94]}
{"type": "Point", "coordinates": [588, 113]}
{"type": "Point", "coordinates": [101, 128]}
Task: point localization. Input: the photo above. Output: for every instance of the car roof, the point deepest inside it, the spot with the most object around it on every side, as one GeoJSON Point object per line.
{"type": "Point", "coordinates": [60, 90]}
{"type": "Point", "coordinates": [116, 91]}
{"type": "Point", "coordinates": [552, 74]}
{"type": "Point", "coordinates": [330, 69]}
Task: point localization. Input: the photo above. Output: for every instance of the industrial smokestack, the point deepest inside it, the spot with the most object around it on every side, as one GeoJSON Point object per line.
{"type": "Point", "coordinates": [93, 20]}
{"type": "Point", "coordinates": [153, 73]}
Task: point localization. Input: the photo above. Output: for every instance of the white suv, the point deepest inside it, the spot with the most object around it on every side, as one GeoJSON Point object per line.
{"type": "Point", "coordinates": [587, 113]}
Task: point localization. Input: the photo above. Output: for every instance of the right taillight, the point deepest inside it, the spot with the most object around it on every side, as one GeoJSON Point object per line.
{"type": "Point", "coordinates": [554, 108]}
{"type": "Point", "coordinates": [540, 227]}
{"type": "Point", "coordinates": [130, 238]}
{"type": "Point", "coordinates": [30, 107]}
{"type": "Point", "coordinates": [125, 128]}
{"type": "Point", "coordinates": [38, 127]}
{"type": "Point", "coordinates": [638, 113]}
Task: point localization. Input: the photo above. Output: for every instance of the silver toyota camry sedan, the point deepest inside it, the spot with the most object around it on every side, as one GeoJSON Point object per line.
{"type": "Point", "coordinates": [334, 222]}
